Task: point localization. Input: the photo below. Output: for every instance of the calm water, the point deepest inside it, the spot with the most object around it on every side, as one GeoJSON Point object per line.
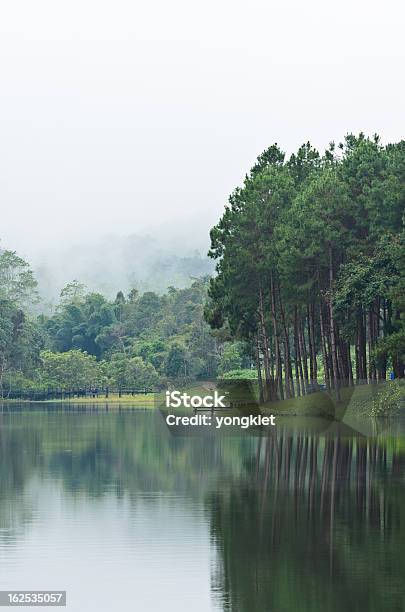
{"type": "Point", "coordinates": [114, 509]}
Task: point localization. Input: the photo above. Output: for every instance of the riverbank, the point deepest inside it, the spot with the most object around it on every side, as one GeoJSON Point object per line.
{"type": "Point", "coordinates": [356, 401]}
{"type": "Point", "coordinates": [145, 400]}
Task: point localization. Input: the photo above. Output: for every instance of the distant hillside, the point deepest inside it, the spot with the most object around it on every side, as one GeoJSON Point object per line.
{"type": "Point", "coordinates": [118, 263]}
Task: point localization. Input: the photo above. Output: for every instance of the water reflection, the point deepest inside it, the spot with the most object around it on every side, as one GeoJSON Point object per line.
{"type": "Point", "coordinates": [296, 521]}
{"type": "Point", "coordinates": [319, 527]}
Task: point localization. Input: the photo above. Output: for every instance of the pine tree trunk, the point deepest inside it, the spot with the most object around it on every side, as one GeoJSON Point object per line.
{"type": "Point", "coordinates": [397, 361]}
{"type": "Point", "coordinates": [304, 357]}
{"type": "Point", "coordinates": [312, 344]}
{"type": "Point", "coordinates": [356, 350]}
{"type": "Point", "coordinates": [383, 367]}
{"type": "Point", "coordinates": [349, 365]}
{"type": "Point", "coordinates": [371, 367]}
{"type": "Point", "coordinates": [313, 334]}
{"type": "Point", "coordinates": [287, 358]}
{"type": "Point", "coordinates": [324, 350]}
{"type": "Point", "coordinates": [279, 371]}
{"type": "Point", "coordinates": [361, 348]}
{"type": "Point", "coordinates": [266, 362]}
{"type": "Point", "coordinates": [341, 348]}
{"type": "Point", "coordinates": [298, 365]}
{"type": "Point", "coordinates": [259, 371]}
{"type": "Point", "coordinates": [332, 329]}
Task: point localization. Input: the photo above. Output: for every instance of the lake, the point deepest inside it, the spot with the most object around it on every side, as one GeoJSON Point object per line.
{"type": "Point", "coordinates": [124, 515]}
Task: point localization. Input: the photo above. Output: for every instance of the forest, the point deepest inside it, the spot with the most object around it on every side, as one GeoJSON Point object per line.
{"type": "Point", "coordinates": [310, 266]}
{"type": "Point", "coordinates": [308, 292]}
{"type": "Point", "coordinates": [133, 341]}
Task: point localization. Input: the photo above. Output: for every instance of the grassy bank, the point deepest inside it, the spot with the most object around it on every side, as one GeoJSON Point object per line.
{"type": "Point", "coordinates": [144, 401]}
{"type": "Point", "coordinates": [355, 401]}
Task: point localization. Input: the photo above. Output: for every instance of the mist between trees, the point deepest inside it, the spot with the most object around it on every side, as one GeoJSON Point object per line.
{"type": "Point", "coordinates": [308, 292]}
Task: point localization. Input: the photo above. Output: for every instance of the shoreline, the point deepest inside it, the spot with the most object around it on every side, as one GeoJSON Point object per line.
{"type": "Point", "coordinates": [355, 400]}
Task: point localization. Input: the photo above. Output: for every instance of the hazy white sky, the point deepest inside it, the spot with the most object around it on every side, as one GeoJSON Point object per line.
{"type": "Point", "coordinates": [124, 115]}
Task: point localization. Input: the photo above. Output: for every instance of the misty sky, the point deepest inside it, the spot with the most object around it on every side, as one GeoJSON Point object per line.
{"type": "Point", "coordinates": [127, 116]}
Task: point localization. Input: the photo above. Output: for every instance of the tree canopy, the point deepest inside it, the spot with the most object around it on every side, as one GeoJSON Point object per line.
{"type": "Point", "coordinates": [310, 265]}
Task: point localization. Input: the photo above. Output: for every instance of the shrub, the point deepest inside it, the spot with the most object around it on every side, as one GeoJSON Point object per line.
{"type": "Point", "coordinates": [389, 399]}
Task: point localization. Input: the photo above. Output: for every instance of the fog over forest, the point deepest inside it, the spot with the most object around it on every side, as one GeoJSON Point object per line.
{"type": "Point", "coordinates": [123, 134]}
{"type": "Point", "coordinates": [112, 263]}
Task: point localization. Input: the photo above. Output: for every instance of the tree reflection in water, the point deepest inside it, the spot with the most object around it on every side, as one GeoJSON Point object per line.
{"type": "Point", "coordinates": [319, 525]}
{"type": "Point", "coordinates": [299, 521]}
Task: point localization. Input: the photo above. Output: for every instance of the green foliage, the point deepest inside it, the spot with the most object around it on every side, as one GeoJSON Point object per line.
{"type": "Point", "coordinates": [178, 362]}
{"type": "Point", "coordinates": [82, 321]}
{"type": "Point", "coordinates": [389, 399]}
{"type": "Point", "coordinates": [310, 264]}
{"type": "Point", "coordinates": [239, 374]}
{"type": "Point", "coordinates": [71, 369]}
{"type": "Point", "coordinates": [72, 293]}
{"type": "Point", "coordinates": [135, 341]}
{"type": "Point", "coordinates": [133, 372]}
{"type": "Point", "coordinates": [166, 332]}
{"type": "Point", "coordinates": [20, 338]}
{"type": "Point", "coordinates": [307, 242]}
{"type": "Point", "coordinates": [232, 357]}
{"type": "Point", "coordinates": [17, 282]}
